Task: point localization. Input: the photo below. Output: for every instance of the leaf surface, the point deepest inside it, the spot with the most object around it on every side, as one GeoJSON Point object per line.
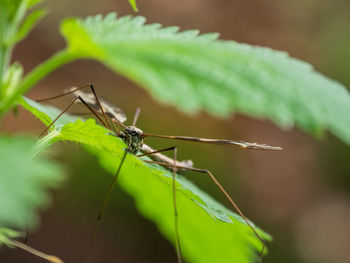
{"type": "Point", "coordinates": [199, 72]}
{"type": "Point", "coordinates": [208, 230]}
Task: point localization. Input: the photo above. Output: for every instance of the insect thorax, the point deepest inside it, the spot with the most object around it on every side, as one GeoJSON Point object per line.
{"type": "Point", "coordinates": [133, 137]}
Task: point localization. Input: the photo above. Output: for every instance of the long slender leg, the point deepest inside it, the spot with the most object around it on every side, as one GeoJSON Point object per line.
{"type": "Point", "coordinates": [69, 105]}
{"type": "Point", "coordinates": [99, 104]}
{"type": "Point", "coordinates": [104, 205]}
{"type": "Point", "coordinates": [51, 258]}
{"type": "Point", "coordinates": [157, 151]}
{"type": "Point", "coordinates": [74, 90]}
{"type": "Point", "coordinates": [27, 235]}
{"type": "Point", "coordinates": [263, 241]}
{"type": "Point", "coordinates": [115, 121]}
{"type": "Point", "coordinates": [63, 94]}
{"type": "Point", "coordinates": [176, 219]}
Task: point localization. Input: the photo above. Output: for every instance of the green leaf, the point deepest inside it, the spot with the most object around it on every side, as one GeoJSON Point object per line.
{"type": "Point", "coordinates": [32, 3]}
{"type": "Point", "coordinates": [11, 80]}
{"type": "Point", "coordinates": [196, 72]}
{"type": "Point", "coordinates": [133, 5]}
{"type": "Point", "coordinates": [208, 230]}
{"type": "Point", "coordinates": [46, 113]}
{"type": "Point", "coordinates": [11, 14]}
{"type": "Point", "coordinates": [9, 8]}
{"type": "Point", "coordinates": [24, 180]}
{"type": "Point", "coordinates": [28, 24]}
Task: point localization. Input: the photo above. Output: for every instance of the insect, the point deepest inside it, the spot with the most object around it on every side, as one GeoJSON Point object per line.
{"type": "Point", "coordinates": [113, 119]}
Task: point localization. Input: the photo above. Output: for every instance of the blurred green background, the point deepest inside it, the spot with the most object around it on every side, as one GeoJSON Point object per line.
{"type": "Point", "coordinates": [299, 195]}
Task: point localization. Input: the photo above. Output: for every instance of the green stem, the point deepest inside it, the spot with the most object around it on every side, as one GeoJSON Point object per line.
{"type": "Point", "coordinates": [10, 31]}
{"type": "Point", "coordinates": [42, 70]}
{"type": "Point", "coordinates": [56, 61]}
{"type": "Point", "coordinates": [3, 59]}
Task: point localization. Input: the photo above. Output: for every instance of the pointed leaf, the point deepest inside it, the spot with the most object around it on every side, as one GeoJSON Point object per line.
{"type": "Point", "coordinates": [133, 5]}
{"type": "Point", "coordinates": [197, 72]}
{"type": "Point", "coordinates": [31, 20]}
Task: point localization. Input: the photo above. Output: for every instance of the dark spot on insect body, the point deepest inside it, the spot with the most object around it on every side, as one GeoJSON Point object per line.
{"type": "Point", "coordinates": [133, 137]}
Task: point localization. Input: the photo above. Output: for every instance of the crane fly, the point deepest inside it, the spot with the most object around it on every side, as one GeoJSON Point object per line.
{"type": "Point", "coordinates": [113, 118]}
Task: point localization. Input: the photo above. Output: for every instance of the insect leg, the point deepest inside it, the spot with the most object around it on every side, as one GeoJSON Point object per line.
{"type": "Point", "coordinates": [27, 235]}
{"type": "Point", "coordinates": [176, 224]}
{"type": "Point", "coordinates": [235, 206]}
{"type": "Point", "coordinates": [50, 258]}
{"type": "Point", "coordinates": [104, 205]}
{"type": "Point", "coordinates": [74, 90]}
{"type": "Point", "coordinates": [69, 105]}
{"type": "Point", "coordinates": [99, 104]}
{"type": "Point", "coordinates": [63, 94]}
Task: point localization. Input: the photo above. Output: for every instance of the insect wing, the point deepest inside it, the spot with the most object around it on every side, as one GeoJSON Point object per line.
{"type": "Point", "coordinates": [256, 146]}
{"type": "Point", "coordinates": [240, 144]}
{"type": "Point", "coordinates": [110, 110]}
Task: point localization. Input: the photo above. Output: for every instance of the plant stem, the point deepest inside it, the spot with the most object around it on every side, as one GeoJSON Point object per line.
{"type": "Point", "coordinates": [3, 59]}
{"type": "Point", "coordinates": [8, 33]}
{"type": "Point", "coordinates": [59, 59]}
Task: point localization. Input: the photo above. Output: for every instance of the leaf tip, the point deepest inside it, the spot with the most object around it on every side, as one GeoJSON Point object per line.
{"type": "Point", "coordinates": [133, 5]}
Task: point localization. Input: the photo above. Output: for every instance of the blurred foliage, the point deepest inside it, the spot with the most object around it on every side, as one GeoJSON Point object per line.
{"type": "Point", "coordinates": [198, 210]}
{"type": "Point", "coordinates": [6, 235]}
{"type": "Point", "coordinates": [27, 25]}
{"type": "Point", "coordinates": [14, 27]}
{"type": "Point", "coordinates": [133, 5]}
{"type": "Point", "coordinates": [24, 180]}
